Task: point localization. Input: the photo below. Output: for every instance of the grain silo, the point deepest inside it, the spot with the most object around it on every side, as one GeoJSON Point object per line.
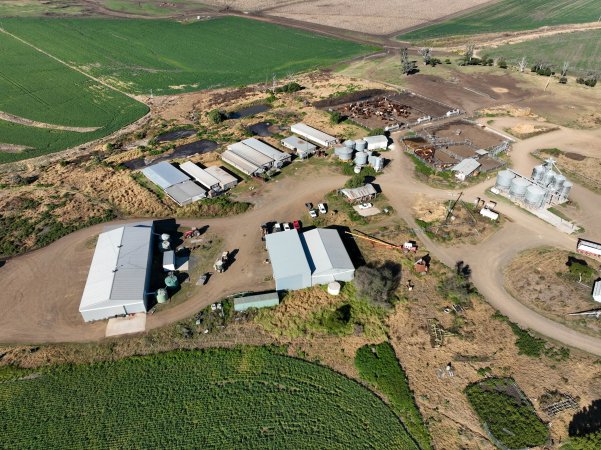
{"type": "Point", "coordinates": [350, 144]}
{"type": "Point", "coordinates": [344, 153]}
{"type": "Point", "coordinates": [360, 145]}
{"type": "Point", "coordinates": [504, 178]}
{"type": "Point", "coordinates": [535, 196]}
{"type": "Point", "coordinates": [558, 182]}
{"type": "Point", "coordinates": [565, 189]}
{"type": "Point", "coordinates": [538, 172]}
{"type": "Point", "coordinates": [518, 188]}
{"type": "Point", "coordinates": [548, 178]}
{"type": "Point", "coordinates": [361, 158]}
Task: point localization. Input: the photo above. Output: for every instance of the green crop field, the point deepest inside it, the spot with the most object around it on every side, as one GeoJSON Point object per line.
{"type": "Point", "coordinates": [36, 87]}
{"type": "Point", "coordinates": [171, 57]}
{"type": "Point", "coordinates": [220, 399]}
{"type": "Point", "coordinates": [511, 15]}
{"type": "Point", "coordinates": [582, 50]}
{"type": "Point", "coordinates": [507, 413]}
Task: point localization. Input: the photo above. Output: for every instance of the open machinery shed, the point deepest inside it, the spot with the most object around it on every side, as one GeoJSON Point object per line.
{"type": "Point", "coordinates": [118, 278]}
{"type": "Point", "coordinates": [303, 260]}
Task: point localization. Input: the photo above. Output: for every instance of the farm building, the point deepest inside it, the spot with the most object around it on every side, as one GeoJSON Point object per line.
{"type": "Point", "coordinates": [597, 291]}
{"type": "Point", "coordinates": [379, 142]}
{"type": "Point", "coordinates": [164, 175]}
{"type": "Point", "coordinates": [279, 158]}
{"type": "Point", "coordinates": [266, 300]}
{"type": "Point", "coordinates": [360, 194]}
{"type": "Point", "coordinates": [226, 180]}
{"type": "Point", "coordinates": [185, 193]}
{"type": "Point", "coordinates": [241, 164]}
{"type": "Point", "coordinates": [466, 168]}
{"type": "Point", "coordinates": [289, 263]}
{"type": "Point", "coordinates": [251, 155]}
{"type": "Point", "coordinates": [328, 258]}
{"type": "Point", "coordinates": [201, 176]}
{"type": "Point", "coordinates": [589, 248]}
{"type": "Point", "coordinates": [302, 260]}
{"type": "Point", "coordinates": [302, 148]}
{"type": "Point", "coordinates": [176, 184]}
{"type": "Point", "coordinates": [311, 134]}
{"type": "Point", "coordinates": [119, 275]}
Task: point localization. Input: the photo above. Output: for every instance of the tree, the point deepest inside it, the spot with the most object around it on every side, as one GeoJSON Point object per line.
{"type": "Point", "coordinates": [469, 52]}
{"type": "Point", "coordinates": [216, 116]}
{"type": "Point", "coordinates": [502, 63]}
{"type": "Point", "coordinates": [355, 181]}
{"type": "Point", "coordinates": [335, 117]}
{"type": "Point", "coordinates": [378, 283]}
{"type": "Point", "coordinates": [407, 66]}
{"type": "Point", "coordinates": [426, 53]}
{"type": "Point", "coordinates": [564, 68]}
{"type": "Point", "coordinates": [523, 64]}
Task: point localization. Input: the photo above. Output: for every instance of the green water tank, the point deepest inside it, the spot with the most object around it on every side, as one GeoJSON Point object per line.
{"type": "Point", "coordinates": [162, 295]}
{"type": "Point", "coordinates": [171, 281]}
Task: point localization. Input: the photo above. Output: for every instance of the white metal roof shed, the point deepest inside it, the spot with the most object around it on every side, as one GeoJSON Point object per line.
{"type": "Point", "coordinates": [467, 166]}
{"type": "Point", "coordinates": [164, 174]}
{"type": "Point", "coordinates": [298, 144]}
{"type": "Point", "coordinates": [360, 193]}
{"type": "Point", "coordinates": [288, 260]}
{"type": "Point", "coordinates": [185, 193]}
{"type": "Point", "coordinates": [265, 300]}
{"type": "Point", "coordinates": [226, 180]}
{"type": "Point", "coordinates": [588, 247]}
{"type": "Point", "coordinates": [251, 155]}
{"type": "Point", "coordinates": [328, 257]}
{"type": "Point", "coordinates": [200, 175]}
{"type": "Point", "coordinates": [378, 142]}
{"type": "Point", "coordinates": [267, 150]}
{"type": "Point", "coordinates": [313, 135]}
{"type": "Point", "coordinates": [118, 276]}
{"type": "Point", "coordinates": [240, 163]}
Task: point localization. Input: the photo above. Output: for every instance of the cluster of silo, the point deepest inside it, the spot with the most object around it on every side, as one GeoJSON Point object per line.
{"type": "Point", "coordinates": [504, 178]}
{"type": "Point", "coordinates": [554, 183]}
{"type": "Point", "coordinates": [344, 153]}
{"type": "Point", "coordinates": [362, 156]}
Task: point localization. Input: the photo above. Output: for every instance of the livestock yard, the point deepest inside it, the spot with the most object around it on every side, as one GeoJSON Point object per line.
{"type": "Point", "coordinates": [250, 189]}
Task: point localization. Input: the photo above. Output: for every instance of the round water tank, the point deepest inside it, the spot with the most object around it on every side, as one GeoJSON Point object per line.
{"type": "Point", "coordinates": [558, 182]}
{"type": "Point", "coordinates": [334, 288]}
{"type": "Point", "coordinates": [345, 154]}
{"type": "Point", "coordinates": [171, 281]}
{"type": "Point", "coordinates": [360, 145]}
{"type": "Point", "coordinates": [504, 178]}
{"type": "Point", "coordinates": [538, 172]}
{"type": "Point", "coordinates": [165, 237]}
{"type": "Point", "coordinates": [165, 245]}
{"type": "Point", "coordinates": [340, 148]}
{"type": "Point", "coordinates": [162, 295]}
{"type": "Point", "coordinates": [566, 188]}
{"type": "Point", "coordinates": [518, 188]}
{"type": "Point", "coordinates": [535, 196]}
{"type": "Point", "coordinates": [350, 144]}
{"type": "Point", "coordinates": [378, 163]}
{"type": "Point", "coordinates": [361, 158]}
{"type": "Point", "coordinates": [548, 177]}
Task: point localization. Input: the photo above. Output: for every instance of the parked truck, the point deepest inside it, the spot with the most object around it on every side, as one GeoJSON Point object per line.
{"type": "Point", "coordinates": [221, 264]}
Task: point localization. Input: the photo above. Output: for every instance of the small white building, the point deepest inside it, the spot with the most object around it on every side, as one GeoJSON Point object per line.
{"type": "Point", "coordinates": [251, 155]}
{"type": "Point", "coordinates": [279, 158]}
{"type": "Point", "coordinates": [201, 176]}
{"type": "Point", "coordinates": [302, 148]}
{"type": "Point", "coordinates": [185, 193]}
{"type": "Point", "coordinates": [241, 164]}
{"type": "Point", "coordinates": [465, 168]}
{"type": "Point", "coordinates": [379, 142]}
{"type": "Point", "coordinates": [360, 194]}
{"type": "Point", "coordinates": [597, 291]}
{"type": "Point", "coordinates": [119, 275]}
{"type": "Point", "coordinates": [313, 135]}
{"type": "Point", "coordinates": [169, 261]}
{"type": "Point", "coordinates": [492, 215]}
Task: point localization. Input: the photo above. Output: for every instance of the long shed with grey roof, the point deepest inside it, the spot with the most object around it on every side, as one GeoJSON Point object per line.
{"type": "Point", "coordinates": [328, 258]}
{"type": "Point", "coordinates": [164, 174]}
{"type": "Point", "coordinates": [290, 266]}
{"type": "Point", "coordinates": [226, 180]}
{"type": "Point", "coordinates": [241, 164]}
{"type": "Point", "coordinates": [251, 155]}
{"type": "Point", "coordinates": [279, 158]}
{"type": "Point", "coordinates": [119, 277]}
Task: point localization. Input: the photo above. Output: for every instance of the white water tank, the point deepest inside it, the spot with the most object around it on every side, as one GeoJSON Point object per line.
{"type": "Point", "coordinates": [361, 158]}
{"type": "Point", "coordinates": [538, 172]}
{"type": "Point", "coordinates": [334, 288]}
{"type": "Point", "coordinates": [360, 145]}
{"type": "Point", "coordinates": [350, 144]}
{"type": "Point", "coordinates": [548, 178]}
{"type": "Point", "coordinates": [558, 182]}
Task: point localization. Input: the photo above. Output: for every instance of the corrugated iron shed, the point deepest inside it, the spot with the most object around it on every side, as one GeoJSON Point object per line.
{"type": "Point", "coordinates": [164, 174]}
{"type": "Point", "coordinates": [200, 175]}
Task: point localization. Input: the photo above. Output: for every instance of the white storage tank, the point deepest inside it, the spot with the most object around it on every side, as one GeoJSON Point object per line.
{"type": "Point", "coordinates": [566, 188]}
{"type": "Point", "coordinates": [345, 154]}
{"type": "Point", "coordinates": [548, 178]}
{"type": "Point", "coordinates": [350, 144]}
{"type": "Point", "coordinates": [361, 158]}
{"type": "Point", "coordinates": [518, 188]}
{"type": "Point", "coordinates": [165, 237]}
{"type": "Point", "coordinates": [504, 178]}
{"type": "Point", "coordinates": [538, 172]}
{"type": "Point", "coordinates": [558, 182]}
{"type": "Point", "coordinates": [334, 288]}
{"type": "Point", "coordinates": [360, 145]}
{"type": "Point", "coordinates": [535, 196]}
{"type": "Point", "coordinates": [378, 163]}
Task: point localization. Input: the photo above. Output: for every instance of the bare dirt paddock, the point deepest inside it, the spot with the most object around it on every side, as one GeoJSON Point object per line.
{"type": "Point", "coordinates": [382, 17]}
